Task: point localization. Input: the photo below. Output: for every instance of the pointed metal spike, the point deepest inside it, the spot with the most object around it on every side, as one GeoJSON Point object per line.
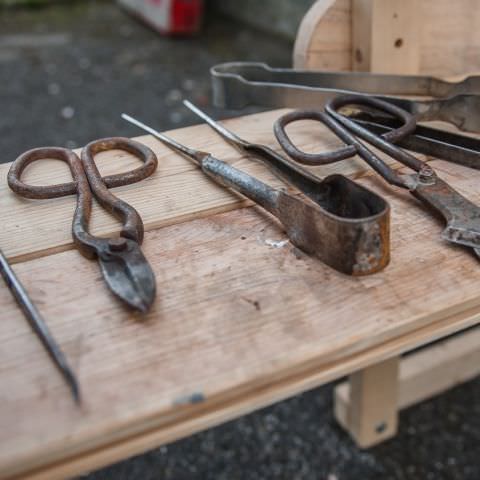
{"type": "Point", "coordinates": [195, 155]}
{"type": "Point", "coordinates": [220, 129]}
{"type": "Point", "coordinates": [39, 326]}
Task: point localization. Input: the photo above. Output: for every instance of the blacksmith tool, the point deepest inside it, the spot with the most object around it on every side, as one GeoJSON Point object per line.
{"type": "Point", "coordinates": [39, 326]}
{"type": "Point", "coordinates": [124, 267]}
{"type": "Point", "coordinates": [239, 84]}
{"type": "Point", "coordinates": [441, 144]}
{"type": "Point", "coordinates": [462, 217]}
{"type": "Point", "coordinates": [343, 224]}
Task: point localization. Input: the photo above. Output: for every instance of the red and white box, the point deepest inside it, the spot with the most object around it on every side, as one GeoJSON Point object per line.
{"type": "Point", "coordinates": [168, 16]}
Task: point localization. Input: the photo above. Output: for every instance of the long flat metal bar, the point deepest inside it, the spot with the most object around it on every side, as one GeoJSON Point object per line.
{"type": "Point", "coordinates": [373, 83]}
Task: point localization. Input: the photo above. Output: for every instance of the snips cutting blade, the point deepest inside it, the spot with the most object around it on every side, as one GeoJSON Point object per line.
{"type": "Point", "coordinates": [128, 273]}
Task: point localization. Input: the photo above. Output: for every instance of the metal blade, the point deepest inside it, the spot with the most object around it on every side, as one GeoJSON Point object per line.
{"type": "Point", "coordinates": [195, 155]}
{"type": "Point", "coordinates": [220, 129]}
{"type": "Point", "coordinates": [129, 276]}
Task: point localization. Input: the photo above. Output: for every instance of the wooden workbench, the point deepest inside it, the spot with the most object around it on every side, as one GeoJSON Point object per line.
{"type": "Point", "coordinates": [242, 319]}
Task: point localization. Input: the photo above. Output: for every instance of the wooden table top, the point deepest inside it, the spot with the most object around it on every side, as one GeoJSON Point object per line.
{"type": "Point", "coordinates": [242, 319]}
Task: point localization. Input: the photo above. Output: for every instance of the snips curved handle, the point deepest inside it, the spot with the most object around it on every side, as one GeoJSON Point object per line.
{"type": "Point", "coordinates": [82, 186]}
{"type": "Point", "coordinates": [83, 240]}
{"type": "Point", "coordinates": [132, 227]}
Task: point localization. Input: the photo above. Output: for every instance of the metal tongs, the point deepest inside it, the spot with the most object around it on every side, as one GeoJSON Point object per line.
{"type": "Point", "coordinates": [342, 223]}
{"type": "Point", "coordinates": [462, 216]}
{"type": "Point", "coordinates": [239, 84]}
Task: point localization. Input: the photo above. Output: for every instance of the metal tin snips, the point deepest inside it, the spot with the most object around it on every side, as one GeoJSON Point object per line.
{"type": "Point", "coordinates": [124, 267]}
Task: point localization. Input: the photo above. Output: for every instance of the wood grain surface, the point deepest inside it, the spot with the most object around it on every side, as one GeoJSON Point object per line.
{"type": "Point", "coordinates": [238, 322]}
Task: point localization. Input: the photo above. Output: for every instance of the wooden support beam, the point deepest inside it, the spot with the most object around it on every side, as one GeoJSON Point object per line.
{"type": "Point", "coordinates": [361, 403]}
{"type": "Point", "coordinates": [370, 416]}
{"type": "Point", "coordinates": [386, 36]}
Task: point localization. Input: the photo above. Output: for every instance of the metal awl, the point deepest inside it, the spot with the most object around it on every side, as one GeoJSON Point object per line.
{"type": "Point", "coordinates": [39, 326]}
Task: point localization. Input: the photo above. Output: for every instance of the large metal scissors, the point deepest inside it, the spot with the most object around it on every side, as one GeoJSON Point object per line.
{"type": "Point", "coordinates": [462, 217]}
{"type": "Point", "coordinates": [124, 267]}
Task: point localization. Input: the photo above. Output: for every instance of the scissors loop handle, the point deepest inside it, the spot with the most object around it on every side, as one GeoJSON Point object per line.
{"type": "Point", "coordinates": [348, 131]}
{"type": "Point", "coordinates": [137, 149]}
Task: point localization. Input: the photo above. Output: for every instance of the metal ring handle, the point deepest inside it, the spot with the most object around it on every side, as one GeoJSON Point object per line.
{"type": "Point", "coordinates": [140, 151]}
{"type": "Point", "coordinates": [323, 158]}
{"type": "Point", "coordinates": [83, 240]}
{"type": "Point", "coordinates": [382, 142]}
{"type": "Point", "coordinates": [409, 122]}
{"type": "Point", "coordinates": [132, 223]}
{"type": "Point", "coordinates": [48, 191]}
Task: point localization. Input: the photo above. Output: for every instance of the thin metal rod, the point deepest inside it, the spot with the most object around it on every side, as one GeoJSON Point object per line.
{"type": "Point", "coordinates": [224, 132]}
{"type": "Point", "coordinates": [189, 152]}
{"type": "Point", "coordinates": [39, 326]}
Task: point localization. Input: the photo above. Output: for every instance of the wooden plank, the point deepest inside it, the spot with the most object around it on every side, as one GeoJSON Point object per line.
{"type": "Point", "coordinates": [449, 42]}
{"type": "Point", "coordinates": [242, 403]}
{"type": "Point", "coordinates": [177, 192]}
{"type": "Point", "coordinates": [436, 369]}
{"type": "Point", "coordinates": [218, 334]}
{"type": "Point", "coordinates": [385, 36]}
{"type": "Point", "coordinates": [424, 374]}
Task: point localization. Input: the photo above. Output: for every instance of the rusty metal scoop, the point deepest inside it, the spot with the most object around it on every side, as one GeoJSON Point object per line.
{"type": "Point", "coordinates": [342, 223]}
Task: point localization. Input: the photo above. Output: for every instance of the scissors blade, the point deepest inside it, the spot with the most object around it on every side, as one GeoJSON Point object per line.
{"type": "Point", "coordinates": [129, 276]}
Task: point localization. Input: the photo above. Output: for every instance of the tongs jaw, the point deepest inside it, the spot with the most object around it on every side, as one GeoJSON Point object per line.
{"type": "Point", "coordinates": [348, 229]}
{"type": "Point", "coordinates": [342, 223]}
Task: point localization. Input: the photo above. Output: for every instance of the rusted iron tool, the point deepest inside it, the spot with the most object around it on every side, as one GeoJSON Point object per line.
{"type": "Point", "coordinates": [239, 84]}
{"type": "Point", "coordinates": [344, 225]}
{"type": "Point", "coordinates": [449, 146]}
{"type": "Point", "coordinates": [123, 265]}
{"type": "Point", "coordinates": [39, 326]}
{"type": "Point", "coordinates": [462, 217]}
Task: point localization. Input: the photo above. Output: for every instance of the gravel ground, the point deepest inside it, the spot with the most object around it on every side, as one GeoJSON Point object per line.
{"type": "Point", "coordinates": [66, 74]}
